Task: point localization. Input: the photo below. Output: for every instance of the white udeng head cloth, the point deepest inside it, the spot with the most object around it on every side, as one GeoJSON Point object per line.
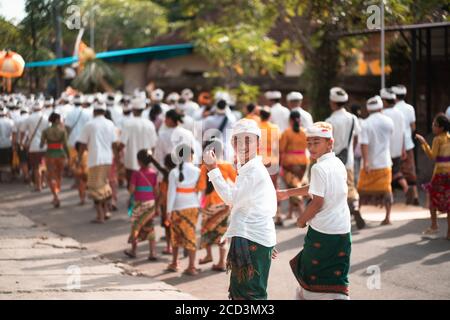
{"type": "Point", "coordinates": [320, 130]}
{"type": "Point", "coordinates": [100, 106]}
{"type": "Point", "coordinates": [246, 126]}
{"type": "Point", "coordinates": [187, 94]}
{"type": "Point", "coordinates": [338, 94]}
{"type": "Point", "coordinates": [374, 103]}
{"type": "Point", "coordinates": [399, 89]}
{"type": "Point", "coordinates": [157, 95]}
{"type": "Point", "coordinates": [387, 93]}
{"type": "Point", "coordinates": [272, 95]}
{"type": "Point", "coordinates": [138, 104]}
{"type": "Point", "coordinates": [294, 96]}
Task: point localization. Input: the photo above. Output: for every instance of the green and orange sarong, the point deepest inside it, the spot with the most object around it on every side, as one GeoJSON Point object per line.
{"type": "Point", "coordinates": [214, 224]}
{"type": "Point", "coordinates": [142, 221]}
{"type": "Point", "coordinates": [249, 263]}
{"type": "Point", "coordinates": [323, 264]}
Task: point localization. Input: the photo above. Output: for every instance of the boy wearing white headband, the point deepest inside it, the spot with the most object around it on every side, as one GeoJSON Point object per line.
{"type": "Point", "coordinates": [374, 185]}
{"type": "Point", "coordinates": [323, 274]}
{"type": "Point", "coordinates": [254, 205]}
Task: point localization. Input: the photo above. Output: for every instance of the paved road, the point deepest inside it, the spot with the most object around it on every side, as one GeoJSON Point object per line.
{"type": "Point", "coordinates": [411, 267]}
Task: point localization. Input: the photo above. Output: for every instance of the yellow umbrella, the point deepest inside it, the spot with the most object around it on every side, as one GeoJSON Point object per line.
{"type": "Point", "coordinates": [11, 66]}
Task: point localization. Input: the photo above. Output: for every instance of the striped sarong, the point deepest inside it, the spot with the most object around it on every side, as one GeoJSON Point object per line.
{"type": "Point", "coordinates": [142, 221]}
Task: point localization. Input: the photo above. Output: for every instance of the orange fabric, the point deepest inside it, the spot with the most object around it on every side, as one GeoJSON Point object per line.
{"type": "Point", "coordinates": [55, 168]}
{"type": "Point", "coordinates": [255, 117]}
{"type": "Point", "coordinates": [269, 142]}
{"type": "Point", "coordinates": [228, 173]}
{"type": "Point", "coordinates": [293, 141]}
{"type": "Point", "coordinates": [186, 190]}
{"type": "Point", "coordinates": [375, 182]}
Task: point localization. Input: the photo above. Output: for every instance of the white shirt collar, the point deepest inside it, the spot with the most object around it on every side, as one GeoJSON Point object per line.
{"type": "Point", "coordinates": [326, 156]}
{"type": "Point", "coordinates": [251, 163]}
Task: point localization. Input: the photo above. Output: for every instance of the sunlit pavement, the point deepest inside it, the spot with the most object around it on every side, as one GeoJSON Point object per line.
{"type": "Point", "coordinates": [388, 262]}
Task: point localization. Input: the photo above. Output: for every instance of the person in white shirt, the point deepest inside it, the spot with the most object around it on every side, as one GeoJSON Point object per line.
{"type": "Point", "coordinates": [32, 130]}
{"type": "Point", "coordinates": [374, 185]}
{"type": "Point", "coordinates": [254, 206]}
{"type": "Point", "coordinates": [190, 107]}
{"type": "Point", "coordinates": [183, 206]}
{"type": "Point", "coordinates": [175, 135]}
{"type": "Point", "coordinates": [328, 240]}
{"type": "Point", "coordinates": [138, 133]}
{"type": "Point", "coordinates": [294, 100]}
{"type": "Point", "coordinates": [75, 121]}
{"type": "Point", "coordinates": [279, 113]}
{"type": "Point", "coordinates": [408, 165]}
{"type": "Point", "coordinates": [346, 129]}
{"type": "Point", "coordinates": [98, 137]}
{"type": "Point", "coordinates": [219, 125]}
{"type": "Point", "coordinates": [7, 137]}
{"type": "Point", "coordinates": [21, 152]}
{"type": "Point", "coordinates": [114, 109]}
{"type": "Point", "coordinates": [397, 143]}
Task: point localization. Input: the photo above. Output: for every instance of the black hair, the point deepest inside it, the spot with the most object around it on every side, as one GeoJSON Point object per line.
{"type": "Point", "coordinates": [264, 115]}
{"type": "Point", "coordinates": [145, 157]}
{"type": "Point", "coordinates": [277, 100]}
{"type": "Point", "coordinates": [341, 104]}
{"type": "Point", "coordinates": [137, 112]}
{"type": "Point", "coordinates": [401, 96]}
{"type": "Point", "coordinates": [107, 114]}
{"type": "Point", "coordinates": [54, 117]}
{"type": "Point", "coordinates": [356, 110]}
{"type": "Point", "coordinates": [442, 122]}
{"type": "Point", "coordinates": [250, 107]}
{"type": "Point", "coordinates": [182, 151]}
{"type": "Point", "coordinates": [175, 116]}
{"type": "Point", "coordinates": [295, 117]}
{"type": "Point", "coordinates": [222, 104]}
{"type": "Point", "coordinates": [155, 111]}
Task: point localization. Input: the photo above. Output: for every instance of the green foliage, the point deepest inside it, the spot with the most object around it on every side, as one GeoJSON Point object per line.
{"type": "Point", "coordinates": [243, 93]}
{"type": "Point", "coordinates": [97, 76]}
{"type": "Point", "coordinates": [125, 23]}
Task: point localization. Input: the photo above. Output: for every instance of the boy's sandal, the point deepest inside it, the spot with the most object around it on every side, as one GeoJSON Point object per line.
{"type": "Point", "coordinates": [152, 258]}
{"type": "Point", "coordinates": [205, 260]}
{"type": "Point", "coordinates": [430, 231]}
{"type": "Point", "coordinates": [108, 216]}
{"type": "Point", "coordinates": [216, 267]}
{"type": "Point", "coordinates": [191, 271]}
{"type": "Point", "coordinates": [172, 268]}
{"type": "Point", "coordinates": [130, 254]}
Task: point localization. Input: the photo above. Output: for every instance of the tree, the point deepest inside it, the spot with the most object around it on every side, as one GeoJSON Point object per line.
{"type": "Point", "coordinates": [125, 24]}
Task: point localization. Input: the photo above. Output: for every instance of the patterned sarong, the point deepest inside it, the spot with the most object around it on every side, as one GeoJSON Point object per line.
{"type": "Point", "coordinates": [249, 263]}
{"type": "Point", "coordinates": [98, 183]}
{"type": "Point", "coordinates": [214, 224]}
{"type": "Point", "coordinates": [182, 226]}
{"type": "Point", "coordinates": [324, 262]}
{"type": "Point", "coordinates": [375, 187]}
{"type": "Point", "coordinates": [408, 168]}
{"type": "Point", "coordinates": [439, 190]}
{"type": "Point", "coordinates": [142, 221]}
{"type": "Point", "coordinates": [294, 177]}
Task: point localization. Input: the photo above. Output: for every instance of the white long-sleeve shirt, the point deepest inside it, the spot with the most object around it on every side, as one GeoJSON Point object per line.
{"type": "Point", "coordinates": [253, 200]}
{"type": "Point", "coordinates": [178, 200]}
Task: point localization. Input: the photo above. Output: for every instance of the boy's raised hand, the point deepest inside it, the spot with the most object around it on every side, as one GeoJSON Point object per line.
{"type": "Point", "coordinates": [210, 160]}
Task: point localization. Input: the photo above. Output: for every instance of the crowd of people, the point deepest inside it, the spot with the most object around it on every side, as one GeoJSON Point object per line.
{"type": "Point", "coordinates": [182, 161]}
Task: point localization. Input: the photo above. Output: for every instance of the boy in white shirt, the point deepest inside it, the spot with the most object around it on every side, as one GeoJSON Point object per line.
{"type": "Point", "coordinates": [254, 204]}
{"type": "Point", "coordinates": [323, 274]}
